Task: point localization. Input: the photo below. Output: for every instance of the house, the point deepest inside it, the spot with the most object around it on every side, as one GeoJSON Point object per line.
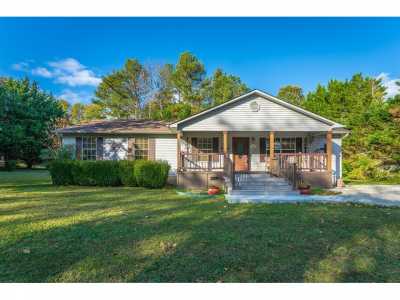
{"type": "Point", "coordinates": [253, 133]}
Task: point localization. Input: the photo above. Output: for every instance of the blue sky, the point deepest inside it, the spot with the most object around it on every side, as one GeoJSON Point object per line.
{"type": "Point", "coordinates": [68, 56]}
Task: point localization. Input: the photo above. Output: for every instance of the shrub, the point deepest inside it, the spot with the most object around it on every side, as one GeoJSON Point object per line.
{"type": "Point", "coordinates": [100, 173]}
{"type": "Point", "coordinates": [362, 167]}
{"type": "Point", "coordinates": [10, 165]}
{"type": "Point", "coordinates": [126, 172]}
{"type": "Point", "coordinates": [61, 172]}
{"type": "Point", "coordinates": [151, 174]}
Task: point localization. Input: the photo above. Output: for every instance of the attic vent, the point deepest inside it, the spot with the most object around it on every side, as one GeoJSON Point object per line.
{"type": "Point", "coordinates": [254, 106]}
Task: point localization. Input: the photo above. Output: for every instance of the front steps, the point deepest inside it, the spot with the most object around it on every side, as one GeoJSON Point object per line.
{"type": "Point", "coordinates": [259, 186]}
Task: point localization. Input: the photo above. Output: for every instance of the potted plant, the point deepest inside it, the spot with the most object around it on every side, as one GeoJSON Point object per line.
{"type": "Point", "coordinates": [213, 190]}
{"type": "Point", "coordinates": [305, 189]}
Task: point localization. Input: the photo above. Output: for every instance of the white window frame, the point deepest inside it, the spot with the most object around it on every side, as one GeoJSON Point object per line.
{"type": "Point", "coordinates": [143, 150]}
{"type": "Point", "coordinates": [278, 142]}
{"type": "Point", "coordinates": [85, 157]}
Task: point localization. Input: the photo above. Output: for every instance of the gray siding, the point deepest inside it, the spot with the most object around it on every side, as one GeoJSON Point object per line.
{"type": "Point", "coordinates": [239, 116]}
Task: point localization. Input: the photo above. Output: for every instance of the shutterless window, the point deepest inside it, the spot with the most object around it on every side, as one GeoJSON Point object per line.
{"type": "Point", "coordinates": [142, 148]}
{"type": "Point", "coordinates": [89, 148]}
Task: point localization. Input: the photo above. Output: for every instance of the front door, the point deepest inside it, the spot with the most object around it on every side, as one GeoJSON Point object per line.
{"type": "Point", "coordinates": [240, 154]}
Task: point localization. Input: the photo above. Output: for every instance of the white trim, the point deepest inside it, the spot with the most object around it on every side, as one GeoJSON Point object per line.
{"type": "Point", "coordinates": [268, 97]}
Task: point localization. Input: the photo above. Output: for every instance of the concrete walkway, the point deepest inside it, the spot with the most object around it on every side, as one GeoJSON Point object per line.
{"type": "Point", "coordinates": [383, 195]}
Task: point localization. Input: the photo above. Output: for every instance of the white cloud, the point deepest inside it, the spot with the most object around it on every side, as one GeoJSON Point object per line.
{"type": "Point", "coordinates": [43, 72]}
{"type": "Point", "coordinates": [392, 88]}
{"type": "Point", "coordinates": [21, 66]}
{"type": "Point", "coordinates": [74, 97]}
{"type": "Point", "coordinates": [71, 72]}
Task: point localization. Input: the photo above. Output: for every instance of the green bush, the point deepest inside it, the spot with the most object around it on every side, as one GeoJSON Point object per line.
{"type": "Point", "coordinates": [151, 174]}
{"type": "Point", "coordinates": [10, 165]}
{"type": "Point", "coordinates": [98, 173]}
{"type": "Point", "coordinates": [61, 172]}
{"type": "Point", "coordinates": [361, 167]}
{"type": "Point", "coordinates": [126, 172]}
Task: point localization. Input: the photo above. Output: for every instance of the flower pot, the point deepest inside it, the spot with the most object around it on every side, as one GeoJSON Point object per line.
{"type": "Point", "coordinates": [213, 190]}
{"type": "Point", "coordinates": [305, 191]}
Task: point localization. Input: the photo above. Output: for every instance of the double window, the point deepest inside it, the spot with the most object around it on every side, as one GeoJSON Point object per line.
{"type": "Point", "coordinates": [284, 145]}
{"type": "Point", "coordinates": [142, 148]}
{"type": "Point", "coordinates": [281, 145]}
{"type": "Point", "coordinates": [89, 148]}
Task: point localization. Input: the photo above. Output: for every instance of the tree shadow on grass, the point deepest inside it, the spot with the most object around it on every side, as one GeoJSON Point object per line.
{"type": "Point", "coordinates": [155, 236]}
{"type": "Point", "coordinates": [295, 245]}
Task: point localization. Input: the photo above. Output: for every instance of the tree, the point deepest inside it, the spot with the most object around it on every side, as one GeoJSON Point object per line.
{"type": "Point", "coordinates": [123, 93]}
{"type": "Point", "coordinates": [223, 87]}
{"type": "Point", "coordinates": [360, 105]}
{"type": "Point", "coordinates": [188, 76]}
{"type": "Point", "coordinates": [93, 112]}
{"type": "Point", "coordinates": [164, 94]}
{"type": "Point", "coordinates": [66, 119]}
{"type": "Point", "coordinates": [291, 93]}
{"type": "Point", "coordinates": [77, 113]}
{"type": "Point", "coordinates": [28, 116]}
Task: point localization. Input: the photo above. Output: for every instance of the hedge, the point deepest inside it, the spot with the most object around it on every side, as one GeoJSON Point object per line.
{"type": "Point", "coordinates": [150, 174]}
{"type": "Point", "coordinates": [126, 172]}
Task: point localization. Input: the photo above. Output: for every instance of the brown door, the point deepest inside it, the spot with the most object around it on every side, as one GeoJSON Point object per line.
{"type": "Point", "coordinates": [241, 154]}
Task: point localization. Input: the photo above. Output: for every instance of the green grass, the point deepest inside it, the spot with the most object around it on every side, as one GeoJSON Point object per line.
{"type": "Point", "coordinates": [89, 234]}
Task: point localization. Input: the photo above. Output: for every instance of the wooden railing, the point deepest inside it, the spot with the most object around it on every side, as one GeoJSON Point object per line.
{"type": "Point", "coordinates": [202, 161]}
{"type": "Point", "coordinates": [303, 161]}
{"type": "Point", "coordinates": [291, 165]}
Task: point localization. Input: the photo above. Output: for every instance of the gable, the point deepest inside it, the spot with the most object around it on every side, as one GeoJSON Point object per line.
{"type": "Point", "coordinates": [241, 116]}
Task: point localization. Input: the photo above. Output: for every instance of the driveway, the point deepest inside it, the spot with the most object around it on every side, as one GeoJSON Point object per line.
{"type": "Point", "coordinates": [372, 194]}
{"type": "Point", "coordinates": [384, 195]}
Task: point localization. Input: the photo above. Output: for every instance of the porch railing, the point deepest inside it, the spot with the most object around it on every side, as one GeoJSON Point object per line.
{"type": "Point", "coordinates": [304, 161]}
{"type": "Point", "coordinates": [202, 161]}
{"type": "Point", "coordinates": [291, 165]}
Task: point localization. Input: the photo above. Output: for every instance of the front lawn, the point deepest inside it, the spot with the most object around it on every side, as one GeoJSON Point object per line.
{"type": "Point", "coordinates": [89, 234]}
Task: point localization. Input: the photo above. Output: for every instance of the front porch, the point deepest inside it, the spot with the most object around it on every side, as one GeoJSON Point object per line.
{"type": "Point", "coordinates": [228, 158]}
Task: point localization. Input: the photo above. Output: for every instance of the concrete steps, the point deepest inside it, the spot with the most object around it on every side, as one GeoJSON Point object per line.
{"type": "Point", "coordinates": [260, 185]}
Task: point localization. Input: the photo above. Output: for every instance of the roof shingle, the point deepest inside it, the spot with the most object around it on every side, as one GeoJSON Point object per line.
{"type": "Point", "coordinates": [119, 127]}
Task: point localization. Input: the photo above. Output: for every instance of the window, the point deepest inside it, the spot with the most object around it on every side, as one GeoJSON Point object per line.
{"type": "Point", "coordinates": [288, 145]}
{"type": "Point", "coordinates": [89, 148]}
{"type": "Point", "coordinates": [283, 145]}
{"type": "Point", "coordinates": [141, 148]}
{"type": "Point", "coordinates": [205, 144]}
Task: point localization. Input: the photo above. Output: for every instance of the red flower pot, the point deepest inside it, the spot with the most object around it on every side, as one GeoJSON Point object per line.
{"type": "Point", "coordinates": [213, 190]}
{"type": "Point", "coordinates": [305, 191]}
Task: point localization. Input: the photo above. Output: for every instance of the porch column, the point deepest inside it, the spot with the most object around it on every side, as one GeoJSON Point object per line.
{"type": "Point", "coordinates": [225, 143]}
{"type": "Point", "coordinates": [178, 150]}
{"type": "Point", "coordinates": [271, 148]}
{"type": "Point", "coordinates": [329, 151]}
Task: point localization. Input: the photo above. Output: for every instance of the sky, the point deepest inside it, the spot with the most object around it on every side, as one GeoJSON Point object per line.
{"type": "Point", "coordinates": [68, 56]}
